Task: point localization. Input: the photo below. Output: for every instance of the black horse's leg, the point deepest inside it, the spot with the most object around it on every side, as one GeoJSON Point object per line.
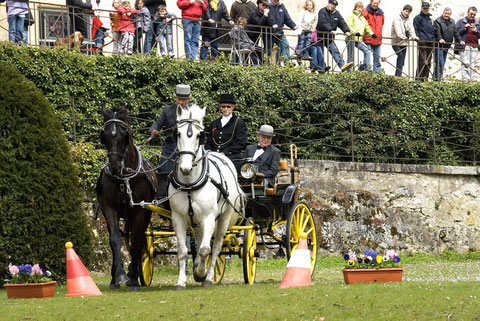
{"type": "Point", "coordinates": [118, 274]}
{"type": "Point", "coordinates": [140, 220]}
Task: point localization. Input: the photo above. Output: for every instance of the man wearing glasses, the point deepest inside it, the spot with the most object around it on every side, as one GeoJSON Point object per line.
{"type": "Point", "coordinates": [228, 134]}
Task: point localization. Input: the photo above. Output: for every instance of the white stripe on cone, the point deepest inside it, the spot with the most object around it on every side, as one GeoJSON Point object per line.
{"type": "Point", "coordinates": [300, 259]}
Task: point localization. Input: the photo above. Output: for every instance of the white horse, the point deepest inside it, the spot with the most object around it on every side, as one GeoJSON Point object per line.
{"type": "Point", "coordinates": [204, 191]}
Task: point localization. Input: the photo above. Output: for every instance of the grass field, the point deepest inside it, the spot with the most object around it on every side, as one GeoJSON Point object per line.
{"type": "Point", "coordinates": [434, 288]}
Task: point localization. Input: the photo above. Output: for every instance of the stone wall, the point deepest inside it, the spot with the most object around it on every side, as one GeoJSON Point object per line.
{"type": "Point", "coordinates": [404, 207]}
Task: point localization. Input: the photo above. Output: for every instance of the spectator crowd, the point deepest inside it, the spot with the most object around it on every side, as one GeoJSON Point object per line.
{"type": "Point", "coordinates": [258, 31]}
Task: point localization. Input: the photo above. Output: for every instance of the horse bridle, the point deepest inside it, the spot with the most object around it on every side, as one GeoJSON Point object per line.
{"type": "Point", "coordinates": [121, 123]}
{"type": "Point", "coordinates": [191, 122]}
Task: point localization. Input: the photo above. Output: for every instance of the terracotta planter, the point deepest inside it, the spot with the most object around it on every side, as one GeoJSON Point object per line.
{"type": "Point", "coordinates": [352, 276]}
{"type": "Point", "coordinates": [31, 290]}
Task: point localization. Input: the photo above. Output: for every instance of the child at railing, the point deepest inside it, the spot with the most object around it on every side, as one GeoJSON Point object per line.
{"type": "Point", "coordinates": [142, 24]}
{"type": "Point", "coordinates": [126, 27]}
{"type": "Point", "coordinates": [308, 21]}
{"type": "Point", "coordinates": [163, 21]}
{"type": "Point", "coordinates": [114, 19]}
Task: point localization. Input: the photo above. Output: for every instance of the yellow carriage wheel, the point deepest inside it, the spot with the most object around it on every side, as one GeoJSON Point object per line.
{"type": "Point", "coordinates": [219, 269]}
{"type": "Point", "coordinates": [146, 274]}
{"type": "Point", "coordinates": [300, 224]}
{"type": "Point", "coordinates": [249, 247]}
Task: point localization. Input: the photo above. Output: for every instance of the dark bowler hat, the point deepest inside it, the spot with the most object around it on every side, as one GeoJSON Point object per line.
{"type": "Point", "coordinates": [335, 2]}
{"type": "Point", "coordinates": [266, 130]}
{"type": "Point", "coordinates": [227, 99]}
{"type": "Point", "coordinates": [425, 4]}
{"type": "Point", "coordinates": [183, 91]}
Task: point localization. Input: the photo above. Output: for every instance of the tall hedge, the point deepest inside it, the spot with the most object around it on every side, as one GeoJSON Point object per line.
{"type": "Point", "coordinates": [40, 197]}
{"type": "Point", "coordinates": [384, 118]}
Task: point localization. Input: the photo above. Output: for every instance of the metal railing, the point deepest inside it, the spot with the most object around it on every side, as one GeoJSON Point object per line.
{"type": "Point", "coordinates": [335, 136]}
{"type": "Point", "coordinates": [53, 22]}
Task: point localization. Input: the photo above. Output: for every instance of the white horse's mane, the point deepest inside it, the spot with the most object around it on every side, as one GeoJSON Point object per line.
{"type": "Point", "coordinates": [198, 113]}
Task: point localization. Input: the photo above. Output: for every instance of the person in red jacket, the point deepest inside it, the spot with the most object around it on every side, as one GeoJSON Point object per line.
{"type": "Point", "coordinates": [192, 11]}
{"type": "Point", "coordinates": [126, 26]}
{"type": "Point", "coordinates": [375, 19]}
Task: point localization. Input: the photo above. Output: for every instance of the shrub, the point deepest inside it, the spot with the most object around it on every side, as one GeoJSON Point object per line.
{"type": "Point", "coordinates": [40, 196]}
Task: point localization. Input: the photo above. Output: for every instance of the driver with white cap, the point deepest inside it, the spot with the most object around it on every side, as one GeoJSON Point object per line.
{"type": "Point", "coordinates": [265, 156]}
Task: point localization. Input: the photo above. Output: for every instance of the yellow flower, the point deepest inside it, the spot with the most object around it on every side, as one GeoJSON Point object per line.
{"type": "Point", "coordinates": [379, 259]}
{"type": "Point", "coordinates": [351, 262]}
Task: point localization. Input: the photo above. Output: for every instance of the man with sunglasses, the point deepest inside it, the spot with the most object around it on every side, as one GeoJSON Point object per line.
{"type": "Point", "coordinates": [228, 134]}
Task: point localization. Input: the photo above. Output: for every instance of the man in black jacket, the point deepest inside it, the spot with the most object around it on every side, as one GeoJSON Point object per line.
{"type": "Point", "coordinates": [445, 33]}
{"type": "Point", "coordinates": [265, 156]}
{"type": "Point", "coordinates": [424, 31]}
{"type": "Point", "coordinates": [280, 18]}
{"type": "Point", "coordinates": [329, 20]}
{"type": "Point", "coordinates": [228, 134]}
{"type": "Point", "coordinates": [75, 13]}
{"type": "Point", "coordinates": [211, 22]}
{"type": "Point", "coordinates": [166, 123]}
{"type": "Point", "coordinates": [260, 23]}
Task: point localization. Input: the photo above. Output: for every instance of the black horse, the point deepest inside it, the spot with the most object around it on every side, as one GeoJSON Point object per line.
{"type": "Point", "coordinates": [126, 179]}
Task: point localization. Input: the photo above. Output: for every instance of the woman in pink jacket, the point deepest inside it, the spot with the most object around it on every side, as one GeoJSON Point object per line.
{"type": "Point", "coordinates": [191, 13]}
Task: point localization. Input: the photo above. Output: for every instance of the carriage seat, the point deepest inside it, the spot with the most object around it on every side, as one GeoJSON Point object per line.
{"type": "Point", "coordinates": [282, 172]}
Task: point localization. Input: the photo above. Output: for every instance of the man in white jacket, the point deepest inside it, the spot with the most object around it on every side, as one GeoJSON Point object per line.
{"type": "Point", "coordinates": [402, 31]}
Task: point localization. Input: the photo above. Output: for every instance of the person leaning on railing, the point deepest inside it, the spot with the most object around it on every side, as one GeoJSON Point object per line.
{"type": "Point", "coordinates": [152, 6]}
{"type": "Point", "coordinates": [358, 27]}
{"type": "Point", "coordinates": [423, 26]}
{"type": "Point", "coordinates": [257, 22]}
{"type": "Point", "coordinates": [192, 11]}
{"type": "Point", "coordinates": [402, 30]}
{"type": "Point", "coordinates": [445, 33]}
{"type": "Point", "coordinates": [375, 19]}
{"type": "Point", "coordinates": [16, 13]}
{"type": "Point", "coordinates": [280, 17]}
{"type": "Point", "coordinates": [211, 22]}
{"type": "Point", "coordinates": [469, 31]}
{"type": "Point", "coordinates": [329, 20]}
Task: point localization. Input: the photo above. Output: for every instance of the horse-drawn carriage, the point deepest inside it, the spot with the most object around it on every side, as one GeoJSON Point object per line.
{"type": "Point", "coordinates": [247, 216]}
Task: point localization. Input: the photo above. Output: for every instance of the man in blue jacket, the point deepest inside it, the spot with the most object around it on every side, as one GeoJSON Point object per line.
{"type": "Point", "coordinates": [424, 31]}
{"type": "Point", "coordinates": [329, 20]}
{"type": "Point", "coordinates": [280, 17]}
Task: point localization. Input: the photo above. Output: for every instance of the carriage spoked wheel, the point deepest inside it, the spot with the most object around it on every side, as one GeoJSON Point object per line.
{"type": "Point", "coordinates": [300, 224]}
{"type": "Point", "coordinates": [219, 269]}
{"type": "Point", "coordinates": [146, 274]}
{"type": "Point", "coordinates": [249, 247]}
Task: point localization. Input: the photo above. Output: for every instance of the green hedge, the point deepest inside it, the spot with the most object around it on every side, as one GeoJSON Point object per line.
{"type": "Point", "coordinates": [356, 116]}
{"type": "Point", "coordinates": [40, 196]}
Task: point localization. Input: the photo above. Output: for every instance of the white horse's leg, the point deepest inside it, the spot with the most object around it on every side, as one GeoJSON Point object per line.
{"type": "Point", "coordinates": [204, 249]}
{"type": "Point", "coordinates": [222, 226]}
{"type": "Point", "coordinates": [180, 227]}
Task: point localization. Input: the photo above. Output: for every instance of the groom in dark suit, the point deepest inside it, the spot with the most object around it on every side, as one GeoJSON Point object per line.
{"type": "Point", "coordinates": [265, 156]}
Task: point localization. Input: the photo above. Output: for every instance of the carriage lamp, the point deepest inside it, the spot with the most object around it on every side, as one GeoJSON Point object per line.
{"type": "Point", "coordinates": [248, 170]}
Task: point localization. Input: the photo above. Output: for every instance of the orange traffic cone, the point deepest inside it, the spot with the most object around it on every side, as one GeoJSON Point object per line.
{"type": "Point", "coordinates": [298, 268]}
{"type": "Point", "coordinates": [79, 281]}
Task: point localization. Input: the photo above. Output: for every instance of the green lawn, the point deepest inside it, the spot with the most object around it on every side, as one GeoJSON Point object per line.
{"type": "Point", "coordinates": [431, 290]}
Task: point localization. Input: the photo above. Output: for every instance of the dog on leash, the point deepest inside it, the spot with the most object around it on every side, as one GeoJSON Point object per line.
{"type": "Point", "coordinates": [72, 41]}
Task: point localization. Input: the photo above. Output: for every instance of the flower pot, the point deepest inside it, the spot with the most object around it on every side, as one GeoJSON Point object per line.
{"type": "Point", "coordinates": [352, 276]}
{"type": "Point", "coordinates": [31, 290]}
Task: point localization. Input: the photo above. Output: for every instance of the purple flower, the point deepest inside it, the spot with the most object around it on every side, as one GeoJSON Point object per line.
{"type": "Point", "coordinates": [359, 260]}
{"type": "Point", "coordinates": [25, 269]}
{"type": "Point", "coordinates": [371, 253]}
{"type": "Point", "coordinates": [352, 255]}
{"type": "Point", "coordinates": [366, 261]}
{"type": "Point", "coordinates": [346, 257]}
{"type": "Point", "coordinates": [396, 259]}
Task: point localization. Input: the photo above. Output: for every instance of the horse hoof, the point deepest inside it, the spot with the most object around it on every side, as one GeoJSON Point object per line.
{"type": "Point", "coordinates": [121, 279]}
{"type": "Point", "coordinates": [178, 287]}
{"type": "Point", "coordinates": [114, 286]}
{"type": "Point", "coordinates": [199, 278]}
{"type": "Point", "coordinates": [134, 289]}
{"type": "Point", "coordinates": [206, 283]}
